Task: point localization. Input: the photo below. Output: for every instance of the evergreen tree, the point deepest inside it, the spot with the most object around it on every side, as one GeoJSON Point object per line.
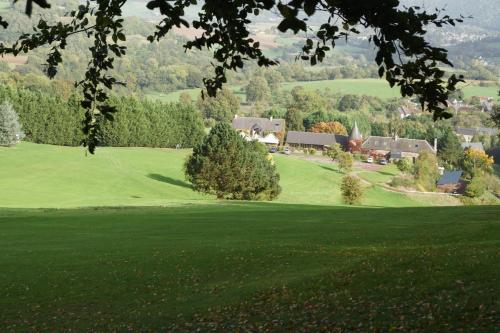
{"type": "Point", "coordinates": [450, 150]}
{"type": "Point", "coordinates": [226, 165]}
{"type": "Point", "coordinates": [10, 128]}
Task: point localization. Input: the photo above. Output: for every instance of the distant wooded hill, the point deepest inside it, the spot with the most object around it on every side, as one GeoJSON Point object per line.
{"type": "Point", "coordinates": [485, 12]}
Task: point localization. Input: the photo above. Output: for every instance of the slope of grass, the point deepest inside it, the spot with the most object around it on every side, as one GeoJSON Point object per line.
{"type": "Point", "coordinates": [49, 176]}
{"type": "Point", "coordinates": [254, 267]}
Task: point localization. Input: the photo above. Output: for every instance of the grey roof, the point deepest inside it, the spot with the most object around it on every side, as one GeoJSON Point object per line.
{"type": "Point", "coordinates": [309, 138]}
{"type": "Point", "coordinates": [265, 124]}
{"type": "Point", "coordinates": [397, 144]}
{"type": "Point", "coordinates": [450, 177]}
{"type": "Point", "coordinates": [396, 154]}
{"type": "Point", "coordinates": [487, 130]}
{"type": "Point", "coordinates": [355, 134]}
{"type": "Point", "coordinates": [474, 145]}
{"type": "Point", "coordinates": [478, 130]}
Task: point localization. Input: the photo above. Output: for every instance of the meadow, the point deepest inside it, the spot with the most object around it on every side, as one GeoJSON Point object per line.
{"type": "Point", "coordinates": [250, 267]}
{"type": "Point", "coordinates": [45, 176]}
{"type": "Point", "coordinates": [371, 87]}
{"type": "Point", "coordinates": [76, 256]}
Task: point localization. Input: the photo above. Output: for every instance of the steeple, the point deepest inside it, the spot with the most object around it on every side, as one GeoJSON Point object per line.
{"type": "Point", "coordinates": [355, 134]}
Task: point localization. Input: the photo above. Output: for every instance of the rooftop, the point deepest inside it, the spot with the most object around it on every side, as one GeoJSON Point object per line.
{"type": "Point", "coordinates": [310, 138]}
{"type": "Point", "coordinates": [260, 124]}
{"type": "Point", "coordinates": [450, 177]}
{"type": "Point", "coordinates": [397, 144]}
{"type": "Point", "coordinates": [473, 145]}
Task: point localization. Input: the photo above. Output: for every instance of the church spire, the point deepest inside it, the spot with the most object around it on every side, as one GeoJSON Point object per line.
{"type": "Point", "coordinates": [355, 134]}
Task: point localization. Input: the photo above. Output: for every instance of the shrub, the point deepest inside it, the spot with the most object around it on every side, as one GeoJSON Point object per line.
{"type": "Point", "coordinates": [345, 161]}
{"type": "Point", "coordinates": [426, 171]}
{"type": "Point", "coordinates": [492, 184]}
{"type": "Point", "coordinates": [404, 165]}
{"type": "Point", "coordinates": [312, 151]}
{"type": "Point", "coordinates": [475, 188]}
{"type": "Point", "coordinates": [10, 128]}
{"type": "Point", "coordinates": [226, 165]}
{"type": "Point", "coordinates": [357, 156]}
{"type": "Point", "coordinates": [351, 190]}
{"type": "Point", "coordinates": [402, 181]}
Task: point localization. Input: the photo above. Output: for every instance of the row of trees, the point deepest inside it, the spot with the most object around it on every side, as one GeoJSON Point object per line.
{"type": "Point", "coordinates": [54, 120]}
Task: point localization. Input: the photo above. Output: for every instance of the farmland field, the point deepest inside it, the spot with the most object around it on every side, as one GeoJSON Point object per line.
{"type": "Point", "coordinates": [371, 87]}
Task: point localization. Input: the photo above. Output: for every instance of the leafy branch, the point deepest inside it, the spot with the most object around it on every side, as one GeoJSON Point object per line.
{"type": "Point", "coordinates": [404, 56]}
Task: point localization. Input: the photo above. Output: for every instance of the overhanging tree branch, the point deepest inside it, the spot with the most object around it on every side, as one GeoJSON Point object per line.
{"type": "Point", "coordinates": [224, 30]}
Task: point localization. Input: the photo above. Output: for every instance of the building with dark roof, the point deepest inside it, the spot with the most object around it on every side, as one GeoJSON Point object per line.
{"type": "Point", "coordinates": [450, 182]}
{"type": "Point", "coordinates": [254, 125]}
{"type": "Point", "coordinates": [319, 141]}
{"type": "Point", "coordinates": [468, 133]}
{"type": "Point", "coordinates": [473, 145]}
{"type": "Point", "coordinates": [399, 147]}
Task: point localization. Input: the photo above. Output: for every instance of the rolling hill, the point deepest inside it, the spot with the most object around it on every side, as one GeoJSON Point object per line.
{"type": "Point", "coordinates": [51, 176]}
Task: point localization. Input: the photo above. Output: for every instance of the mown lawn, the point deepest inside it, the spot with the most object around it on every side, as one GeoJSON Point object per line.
{"type": "Point", "coordinates": [41, 176]}
{"type": "Point", "coordinates": [250, 268]}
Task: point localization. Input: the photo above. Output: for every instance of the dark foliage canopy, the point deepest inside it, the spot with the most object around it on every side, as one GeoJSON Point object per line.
{"type": "Point", "coordinates": [226, 165]}
{"type": "Point", "coordinates": [51, 119]}
{"type": "Point", "coordinates": [404, 56]}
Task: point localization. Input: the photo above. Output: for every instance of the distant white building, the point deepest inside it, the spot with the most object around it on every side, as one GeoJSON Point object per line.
{"type": "Point", "coordinates": [265, 130]}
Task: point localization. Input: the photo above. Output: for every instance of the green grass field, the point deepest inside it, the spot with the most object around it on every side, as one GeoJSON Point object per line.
{"type": "Point", "coordinates": [36, 176]}
{"type": "Point", "coordinates": [250, 267]}
{"type": "Point", "coordinates": [371, 87]}
{"type": "Point", "coordinates": [304, 263]}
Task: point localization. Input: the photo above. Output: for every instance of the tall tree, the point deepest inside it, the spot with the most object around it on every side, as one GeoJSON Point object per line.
{"type": "Point", "coordinates": [476, 162]}
{"type": "Point", "coordinates": [10, 129]}
{"type": "Point", "coordinates": [403, 55]}
{"type": "Point", "coordinates": [426, 171]}
{"type": "Point", "coordinates": [258, 90]}
{"type": "Point", "coordinates": [332, 127]}
{"type": "Point", "coordinates": [294, 120]}
{"type": "Point", "coordinates": [226, 165]}
{"type": "Point", "coordinates": [222, 107]}
{"type": "Point", "coordinates": [450, 150]}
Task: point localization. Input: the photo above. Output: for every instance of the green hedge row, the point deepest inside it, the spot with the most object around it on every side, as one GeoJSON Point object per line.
{"type": "Point", "coordinates": [138, 123]}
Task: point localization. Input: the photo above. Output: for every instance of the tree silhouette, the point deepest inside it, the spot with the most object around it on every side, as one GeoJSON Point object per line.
{"type": "Point", "coordinates": [404, 56]}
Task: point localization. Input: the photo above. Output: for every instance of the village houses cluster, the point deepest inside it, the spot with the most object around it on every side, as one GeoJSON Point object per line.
{"type": "Point", "coordinates": [272, 132]}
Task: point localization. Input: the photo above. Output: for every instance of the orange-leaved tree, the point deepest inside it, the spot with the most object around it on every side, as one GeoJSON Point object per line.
{"type": "Point", "coordinates": [333, 127]}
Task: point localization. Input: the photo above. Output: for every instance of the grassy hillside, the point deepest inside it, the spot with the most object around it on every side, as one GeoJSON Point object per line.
{"type": "Point", "coordinates": [259, 267]}
{"type": "Point", "coordinates": [372, 87]}
{"type": "Point", "coordinates": [51, 176]}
